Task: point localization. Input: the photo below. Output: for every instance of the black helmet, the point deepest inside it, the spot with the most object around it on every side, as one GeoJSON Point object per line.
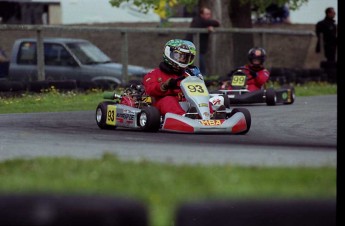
{"type": "Point", "coordinates": [257, 53]}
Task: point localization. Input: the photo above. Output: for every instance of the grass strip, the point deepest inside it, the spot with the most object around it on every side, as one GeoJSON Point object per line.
{"type": "Point", "coordinates": [163, 186]}
{"type": "Point", "coordinates": [54, 101]}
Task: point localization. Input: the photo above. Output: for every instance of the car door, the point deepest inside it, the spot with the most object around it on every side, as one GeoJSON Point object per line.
{"type": "Point", "coordinates": [59, 63]}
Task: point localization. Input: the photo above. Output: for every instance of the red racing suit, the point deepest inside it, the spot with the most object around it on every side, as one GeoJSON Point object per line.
{"type": "Point", "coordinates": [165, 101]}
{"type": "Point", "coordinates": [256, 83]}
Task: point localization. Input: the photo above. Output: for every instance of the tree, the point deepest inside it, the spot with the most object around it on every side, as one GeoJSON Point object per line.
{"type": "Point", "coordinates": [231, 13]}
{"type": "Point", "coordinates": [260, 5]}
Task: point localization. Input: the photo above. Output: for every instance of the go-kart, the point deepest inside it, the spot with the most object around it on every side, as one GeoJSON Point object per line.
{"type": "Point", "coordinates": [235, 89]}
{"type": "Point", "coordinates": [134, 109]}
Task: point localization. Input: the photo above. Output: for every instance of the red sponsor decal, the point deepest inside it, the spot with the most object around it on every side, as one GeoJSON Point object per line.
{"type": "Point", "coordinates": [240, 126]}
{"type": "Point", "coordinates": [176, 125]}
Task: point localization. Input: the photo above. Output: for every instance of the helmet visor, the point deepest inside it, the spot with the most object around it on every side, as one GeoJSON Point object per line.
{"type": "Point", "coordinates": [182, 57]}
{"type": "Point", "coordinates": [257, 61]}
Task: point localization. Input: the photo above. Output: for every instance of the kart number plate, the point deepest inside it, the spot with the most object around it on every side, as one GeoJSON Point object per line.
{"type": "Point", "coordinates": [238, 80]}
{"type": "Point", "coordinates": [147, 100]}
{"type": "Point", "coordinates": [211, 122]}
{"type": "Point", "coordinates": [111, 115]}
{"type": "Point", "coordinates": [196, 89]}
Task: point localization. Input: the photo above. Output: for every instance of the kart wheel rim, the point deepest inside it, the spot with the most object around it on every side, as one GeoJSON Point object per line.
{"type": "Point", "coordinates": [98, 115]}
{"type": "Point", "coordinates": [143, 119]}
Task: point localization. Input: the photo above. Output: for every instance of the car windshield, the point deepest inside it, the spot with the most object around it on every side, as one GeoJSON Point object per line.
{"type": "Point", "coordinates": [88, 53]}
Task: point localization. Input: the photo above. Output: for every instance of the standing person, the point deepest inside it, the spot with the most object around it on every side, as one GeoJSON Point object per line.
{"type": "Point", "coordinates": [203, 20]}
{"type": "Point", "coordinates": [3, 56]}
{"type": "Point", "coordinates": [257, 74]}
{"type": "Point", "coordinates": [4, 63]}
{"type": "Point", "coordinates": [328, 29]}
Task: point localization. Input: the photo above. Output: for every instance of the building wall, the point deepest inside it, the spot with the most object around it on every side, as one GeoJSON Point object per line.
{"type": "Point", "coordinates": [55, 14]}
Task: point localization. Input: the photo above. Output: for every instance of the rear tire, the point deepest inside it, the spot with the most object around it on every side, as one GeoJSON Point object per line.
{"type": "Point", "coordinates": [247, 116]}
{"type": "Point", "coordinates": [292, 94]}
{"type": "Point", "coordinates": [149, 119]}
{"type": "Point", "coordinates": [101, 115]}
{"type": "Point", "coordinates": [271, 97]}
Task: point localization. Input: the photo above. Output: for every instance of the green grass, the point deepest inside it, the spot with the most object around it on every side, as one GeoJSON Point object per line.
{"type": "Point", "coordinates": [54, 101]}
{"type": "Point", "coordinates": [163, 186]}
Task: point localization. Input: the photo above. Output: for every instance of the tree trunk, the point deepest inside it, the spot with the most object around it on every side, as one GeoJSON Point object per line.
{"type": "Point", "coordinates": [228, 51]}
{"type": "Point", "coordinates": [219, 54]}
{"type": "Point", "coordinates": [240, 16]}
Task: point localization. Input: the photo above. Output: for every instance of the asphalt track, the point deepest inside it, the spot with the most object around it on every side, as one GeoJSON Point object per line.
{"type": "Point", "coordinates": [301, 134]}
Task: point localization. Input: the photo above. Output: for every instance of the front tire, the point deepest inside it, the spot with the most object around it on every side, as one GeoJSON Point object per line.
{"type": "Point", "coordinates": [247, 116]}
{"type": "Point", "coordinates": [101, 115]}
{"type": "Point", "coordinates": [271, 97]}
{"type": "Point", "coordinates": [149, 119]}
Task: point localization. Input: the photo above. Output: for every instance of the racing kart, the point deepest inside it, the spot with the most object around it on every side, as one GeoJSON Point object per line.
{"type": "Point", "coordinates": [235, 89]}
{"type": "Point", "coordinates": [134, 109]}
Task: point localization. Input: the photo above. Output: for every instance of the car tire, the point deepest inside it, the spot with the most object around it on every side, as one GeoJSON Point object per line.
{"type": "Point", "coordinates": [271, 97]}
{"type": "Point", "coordinates": [55, 209]}
{"type": "Point", "coordinates": [63, 84]}
{"type": "Point", "coordinates": [11, 86]}
{"type": "Point", "coordinates": [149, 119]}
{"type": "Point", "coordinates": [39, 86]}
{"type": "Point", "coordinates": [272, 212]}
{"type": "Point", "coordinates": [247, 116]}
{"type": "Point", "coordinates": [86, 85]}
{"type": "Point", "coordinates": [101, 115]}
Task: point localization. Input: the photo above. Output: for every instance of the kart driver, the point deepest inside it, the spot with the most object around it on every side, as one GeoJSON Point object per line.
{"type": "Point", "coordinates": [257, 74]}
{"type": "Point", "coordinates": [163, 82]}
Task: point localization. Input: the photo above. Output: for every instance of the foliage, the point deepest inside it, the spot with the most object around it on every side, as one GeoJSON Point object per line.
{"type": "Point", "coordinates": [146, 5]}
{"type": "Point", "coordinates": [262, 4]}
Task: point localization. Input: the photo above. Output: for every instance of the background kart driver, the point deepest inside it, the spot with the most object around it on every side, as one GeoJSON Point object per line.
{"type": "Point", "coordinates": [257, 74]}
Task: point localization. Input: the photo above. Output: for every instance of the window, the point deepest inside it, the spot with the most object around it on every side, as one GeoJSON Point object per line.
{"type": "Point", "coordinates": [27, 53]}
{"type": "Point", "coordinates": [56, 54]}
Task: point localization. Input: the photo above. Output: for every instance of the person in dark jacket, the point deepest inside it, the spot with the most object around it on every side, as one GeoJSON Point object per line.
{"type": "Point", "coordinates": [203, 20]}
{"type": "Point", "coordinates": [328, 29]}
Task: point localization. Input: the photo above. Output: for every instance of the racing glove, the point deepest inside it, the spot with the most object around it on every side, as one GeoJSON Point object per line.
{"type": "Point", "coordinates": [194, 71]}
{"type": "Point", "coordinates": [169, 84]}
{"type": "Point", "coordinates": [253, 74]}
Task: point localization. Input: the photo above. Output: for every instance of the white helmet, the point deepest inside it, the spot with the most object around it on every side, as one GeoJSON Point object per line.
{"type": "Point", "coordinates": [179, 53]}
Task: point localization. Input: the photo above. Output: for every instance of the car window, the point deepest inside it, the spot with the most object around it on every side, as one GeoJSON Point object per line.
{"type": "Point", "coordinates": [56, 54]}
{"type": "Point", "coordinates": [87, 53]}
{"type": "Point", "coordinates": [27, 53]}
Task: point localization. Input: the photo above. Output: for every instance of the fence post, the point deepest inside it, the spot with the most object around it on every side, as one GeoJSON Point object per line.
{"type": "Point", "coordinates": [196, 40]}
{"type": "Point", "coordinates": [263, 40]}
{"type": "Point", "coordinates": [124, 56]}
{"type": "Point", "coordinates": [40, 56]}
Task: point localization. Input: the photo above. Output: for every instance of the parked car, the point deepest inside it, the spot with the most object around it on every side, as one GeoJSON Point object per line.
{"type": "Point", "coordinates": [67, 59]}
